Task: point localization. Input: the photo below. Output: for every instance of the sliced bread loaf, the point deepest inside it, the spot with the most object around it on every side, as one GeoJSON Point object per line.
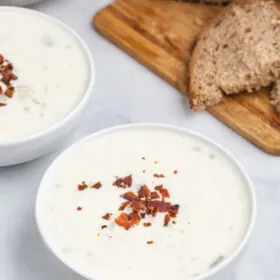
{"type": "Point", "coordinates": [275, 96]}
{"type": "Point", "coordinates": [238, 51]}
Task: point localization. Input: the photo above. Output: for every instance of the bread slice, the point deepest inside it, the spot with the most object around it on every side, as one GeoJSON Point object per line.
{"type": "Point", "coordinates": [275, 96]}
{"type": "Point", "coordinates": [239, 51]}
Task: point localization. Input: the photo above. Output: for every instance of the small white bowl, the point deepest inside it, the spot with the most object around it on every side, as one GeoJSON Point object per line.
{"type": "Point", "coordinates": [40, 143]}
{"type": "Point", "coordinates": [221, 271]}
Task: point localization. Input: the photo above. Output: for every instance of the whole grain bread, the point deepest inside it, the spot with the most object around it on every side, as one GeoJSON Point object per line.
{"type": "Point", "coordinates": [239, 51]}
{"type": "Point", "coordinates": [275, 96]}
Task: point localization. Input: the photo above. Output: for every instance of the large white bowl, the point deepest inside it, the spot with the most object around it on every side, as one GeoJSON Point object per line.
{"type": "Point", "coordinates": [219, 272]}
{"type": "Point", "coordinates": [38, 144]}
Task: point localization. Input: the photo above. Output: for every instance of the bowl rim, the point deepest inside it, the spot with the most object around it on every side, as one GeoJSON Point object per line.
{"type": "Point", "coordinates": [225, 152]}
{"type": "Point", "coordinates": [87, 93]}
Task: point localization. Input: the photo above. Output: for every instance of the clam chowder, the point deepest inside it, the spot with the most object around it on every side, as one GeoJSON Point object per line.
{"type": "Point", "coordinates": [143, 203]}
{"type": "Point", "coordinates": [50, 72]}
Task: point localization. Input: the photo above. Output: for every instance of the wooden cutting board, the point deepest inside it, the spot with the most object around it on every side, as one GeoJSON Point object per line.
{"type": "Point", "coordinates": [160, 34]}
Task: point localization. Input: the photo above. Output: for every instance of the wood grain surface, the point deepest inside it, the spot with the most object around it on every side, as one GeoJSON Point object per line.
{"type": "Point", "coordinates": [160, 35]}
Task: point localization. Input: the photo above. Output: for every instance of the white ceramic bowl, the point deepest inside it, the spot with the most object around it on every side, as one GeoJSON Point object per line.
{"type": "Point", "coordinates": [219, 272]}
{"type": "Point", "coordinates": [38, 144]}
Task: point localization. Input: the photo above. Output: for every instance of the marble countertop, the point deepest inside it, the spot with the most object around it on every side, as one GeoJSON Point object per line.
{"type": "Point", "coordinates": [126, 92]}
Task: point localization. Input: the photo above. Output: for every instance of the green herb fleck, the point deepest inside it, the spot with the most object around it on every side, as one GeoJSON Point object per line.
{"type": "Point", "coordinates": [211, 155]}
{"type": "Point", "coordinates": [218, 260]}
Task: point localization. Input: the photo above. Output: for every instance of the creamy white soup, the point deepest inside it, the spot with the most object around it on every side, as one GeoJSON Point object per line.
{"type": "Point", "coordinates": [52, 70]}
{"type": "Point", "coordinates": [78, 206]}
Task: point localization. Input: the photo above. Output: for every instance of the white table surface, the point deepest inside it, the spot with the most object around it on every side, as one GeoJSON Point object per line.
{"type": "Point", "coordinates": [127, 92]}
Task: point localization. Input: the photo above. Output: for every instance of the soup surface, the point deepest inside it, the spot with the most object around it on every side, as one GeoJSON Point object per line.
{"type": "Point", "coordinates": [208, 190]}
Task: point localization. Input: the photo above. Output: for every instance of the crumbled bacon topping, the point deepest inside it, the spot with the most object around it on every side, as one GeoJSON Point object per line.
{"type": "Point", "coordinates": [167, 219]}
{"type": "Point", "coordinates": [164, 192]}
{"type": "Point", "coordinates": [2, 104]}
{"type": "Point", "coordinates": [6, 78]}
{"type": "Point", "coordinates": [161, 206]}
{"type": "Point", "coordinates": [96, 186]}
{"type": "Point", "coordinates": [143, 215]}
{"type": "Point", "coordinates": [79, 208]}
{"type": "Point", "coordinates": [155, 195]}
{"type": "Point", "coordinates": [147, 224]}
{"type": "Point", "coordinates": [175, 171]}
{"type": "Point", "coordinates": [156, 175]}
{"type": "Point", "coordinates": [107, 216]}
{"type": "Point", "coordinates": [137, 205]}
{"type": "Point", "coordinates": [145, 202]}
{"type": "Point", "coordinates": [103, 227]}
{"type": "Point", "coordinates": [150, 242]}
{"type": "Point", "coordinates": [127, 221]}
{"type": "Point", "coordinates": [144, 192]}
{"type": "Point", "coordinates": [123, 182]}
{"type": "Point", "coordinates": [123, 205]}
{"type": "Point", "coordinates": [130, 196]}
{"type": "Point", "coordinates": [82, 186]}
{"type": "Point", "coordinates": [173, 211]}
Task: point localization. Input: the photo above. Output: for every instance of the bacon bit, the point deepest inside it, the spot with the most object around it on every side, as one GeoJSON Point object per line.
{"type": "Point", "coordinates": [143, 158]}
{"type": "Point", "coordinates": [96, 186]}
{"type": "Point", "coordinates": [173, 211]}
{"type": "Point", "coordinates": [156, 175]}
{"type": "Point", "coordinates": [104, 226]}
{"type": "Point", "coordinates": [79, 208]}
{"type": "Point", "coordinates": [150, 242]}
{"type": "Point", "coordinates": [162, 206]}
{"type": "Point", "coordinates": [158, 188]}
{"type": "Point", "coordinates": [107, 216]}
{"type": "Point", "coordinates": [2, 104]}
{"type": "Point", "coordinates": [147, 224]}
{"type": "Point", "coordinates": [123, 182]}
{"type": "Point", "coordinates": [156, 162]}
{"type": "Point", "coordinates": [143, 215]}
{"type": "Point", "coordinates": [167, 219]}
{"type": "Point", "coordinates": [175, 171]}
{"type": "Point", "coordinates": [154, 195]}
{"type": "Point", "coordinates": [137, 206]}
{"type": "Point", "coordinates": [122, 221]}
{"type": "Point", "coordinates": [143, 171]}
{"type": "Point", "coordinates": [10, 91]}
{"type": "Point", "coordinates": [128, 220]}
{"type": "Point", "coordinates": [82, 186]}
{"type": "Point", "coordinates": [130, 196]}
{"type": "Point", "coordinates": [10, 66]}
{"type": "Point", "coordinates": [164, 193]}
{"type": "Point", "coordinates": [144, 192]}
{"type": "Point", "coordinates": [123, 205]}
{"type": "Point", "coordinates": [134, 218]}
{"type": "Point", "coordinates": [155, 212]}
